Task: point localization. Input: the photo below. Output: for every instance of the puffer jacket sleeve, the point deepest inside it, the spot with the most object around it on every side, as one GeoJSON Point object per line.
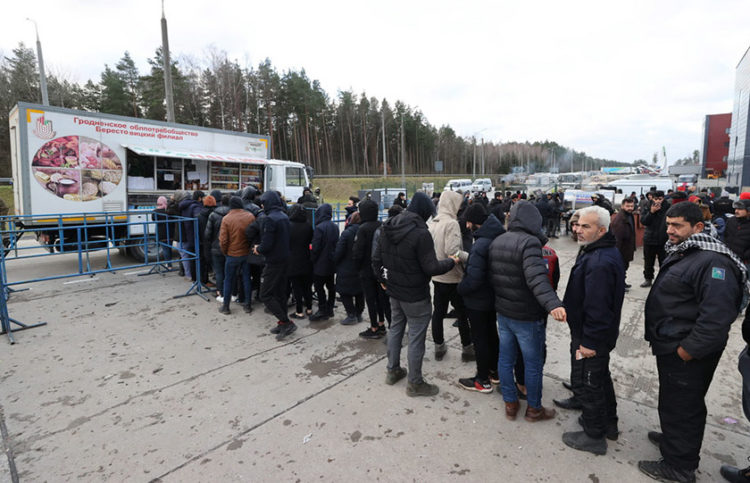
{"type": "Point", "coordinates": [475, 275]}
{"type": "Point", "coordinates": [535, 272]}
{"type": "Point", "coordinates": [719, 292]}
{"type": "Point", "coordinates": [340, 251]}
{"type": "Point", "coordinates": [317, 243]}
{"type": "Point", "coordinates": [429, 263]}
{"type": "Point", "coordinates": [376, 259]}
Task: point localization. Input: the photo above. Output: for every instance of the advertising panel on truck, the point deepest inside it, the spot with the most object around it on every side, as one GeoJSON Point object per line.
{"type": "Point", "coordinates": [68, 161]}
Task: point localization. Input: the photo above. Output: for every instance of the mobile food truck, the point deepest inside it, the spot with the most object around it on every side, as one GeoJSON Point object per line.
{"type": "Point", "coordinates": [69, 162]}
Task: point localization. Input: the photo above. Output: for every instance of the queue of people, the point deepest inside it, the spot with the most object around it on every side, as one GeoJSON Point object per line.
{"type": "Point", "coordinates": [501, 281]}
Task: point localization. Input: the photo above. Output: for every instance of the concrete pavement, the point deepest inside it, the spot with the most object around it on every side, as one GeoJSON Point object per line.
{"type": "Point", "coordinates": [128, 384]}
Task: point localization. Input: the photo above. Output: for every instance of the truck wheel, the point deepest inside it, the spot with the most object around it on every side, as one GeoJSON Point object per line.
{"type": "Point", "coordinates": [138, 253]}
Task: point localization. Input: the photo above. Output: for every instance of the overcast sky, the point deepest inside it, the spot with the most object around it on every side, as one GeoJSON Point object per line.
{"type": "Point", "coordinates": [617, 80]}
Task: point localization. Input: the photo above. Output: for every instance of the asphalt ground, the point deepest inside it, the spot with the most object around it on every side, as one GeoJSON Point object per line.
{"type": "Point", "coordinates": [127, 383]}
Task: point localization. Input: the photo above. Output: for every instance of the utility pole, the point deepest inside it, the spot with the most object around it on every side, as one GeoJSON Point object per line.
{"type": "Point", "coordinates": [167, 66]}
{"type": "Point", "coordinates": [403, 154]}
{"type": "Point", "coordinates": [382, 127]}
{"type": "Point", "coordinates": [40, 61]}
{"type": "Point", "coordinates": [474, 158]}
{"type": "Point", "coordinates": [482, 156]}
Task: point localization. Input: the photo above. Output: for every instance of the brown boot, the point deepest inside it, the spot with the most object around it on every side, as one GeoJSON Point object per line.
{"type": "Point", "coordinates": [533, 415]}
{"type": "Point", "coordinates": [511, 409]}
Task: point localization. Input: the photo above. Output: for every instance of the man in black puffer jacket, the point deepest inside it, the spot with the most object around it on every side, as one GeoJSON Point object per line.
{"type": "Point", "coordinates": [404, 262]}
{"type": "Point", "coordinates": [378, 307]}
{"type": "Point", "coordinates": [274, 246]}
{"type": "Point", "coordinates": [248, 194]}
{"type": "Point", "coordinates": [325, 237]}
{"type": "Point", "coordinates": [655, 236]}
{"type": "Point", "coordinates": [737, 232]}
{"type": "Point", "coordinates": [479, 299]}
{"type": "Point", "coordinates": [523, 297]}
{"type": "Point", "coordinates": [211, 237]}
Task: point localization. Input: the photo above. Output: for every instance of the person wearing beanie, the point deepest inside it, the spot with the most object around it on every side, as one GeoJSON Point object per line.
{"type": "Point", "coordinates": [446, 236]}
{"type": "Point", "coordinates": [163, 230]}
{"type": "Point", "coordinates": [217, 195]}
{"type": "Point", "coordinates": [737, 232]}
{"type": "Point", "coordinates": [209, 204]}
{"type": "Point", "coordinates": [403, 261]}
{"type": "Point", "coordinates": [378, 307]}
{"type": "Point", "coordinates": [653, 217]}
{"type": "Point", "coordinates": [235, 247]}
{"type": "Point", "coordinates": [478, 296]}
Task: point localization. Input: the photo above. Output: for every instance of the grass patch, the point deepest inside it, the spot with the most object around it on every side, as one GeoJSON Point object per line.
{"type": "Point", "coordinates": [6, 194]}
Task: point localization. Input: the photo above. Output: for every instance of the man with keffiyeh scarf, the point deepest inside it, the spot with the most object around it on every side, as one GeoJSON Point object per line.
{"type": "Point", "coordinates": [692, 304]}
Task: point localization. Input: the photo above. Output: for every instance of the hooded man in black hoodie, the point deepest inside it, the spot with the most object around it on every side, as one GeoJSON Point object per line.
{"type": "Point", "coordinates": [300, 267]}
{"type": "Point", "coordinates": [325, 237]}
{"type": "Point", "coordinates": [274, 246]}
{"type": "Point", "coordinates": [378, 307]}
{"type": "Point", "coordinates": [404, 261]}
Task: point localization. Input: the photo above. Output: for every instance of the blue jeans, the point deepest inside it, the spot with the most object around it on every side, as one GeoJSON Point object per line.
{"type": "Point", "coordinates": [217, 261]}
{"type": "Point", "coordinates": [530, 336]}
{"type": "Point", "coordinates": [231, 266]}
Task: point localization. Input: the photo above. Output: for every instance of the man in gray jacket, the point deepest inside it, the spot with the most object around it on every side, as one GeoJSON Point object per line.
{"type": "Point", "coordinates": [523, 297]}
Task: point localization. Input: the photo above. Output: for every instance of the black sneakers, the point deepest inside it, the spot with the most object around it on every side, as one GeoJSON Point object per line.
{"type": "Point", "coordinates": [224, 310]}
{"type": "Point", "coordinates": [663, 471]}
{"type": "Point", "coordinates": [247, 308]}
{"type": "Point", "coordinates": [373, 334]}
{"type": "Point", "coordinates": [569, 403]}
{"type": "Point", "coordinates": [734, 474]}
{"type": "Point", "coordinates": [285, 330]}
{"type": "Point", "coordinates": [583, 442]}
{"type": "Point", "coordinates": [646, 283]}
{"type": "Point", "coordinates": [319, 316]}
{"type": "Point", "coordinates": [612, 433]}
{"type": "Point", "coordinates": [421, 389]}
{"type": "Point", "coordinates": [474, 384]}
{"type": "Point", "coordinates": [655, 437]}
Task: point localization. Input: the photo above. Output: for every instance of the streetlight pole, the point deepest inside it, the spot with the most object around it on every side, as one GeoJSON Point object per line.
{"type": "Point", "coordinates": [40, 60]}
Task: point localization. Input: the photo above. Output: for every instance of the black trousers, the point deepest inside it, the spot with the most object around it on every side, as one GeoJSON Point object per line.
{"type": "Point", "coordinates": [302, 290]}
{"type": "Point", "coordinates": [326, 301]}
{"type": "Point", "coordinates": [483, 326]}
{"type": "Point", "coordinates": [353, 304]}
{"type": "Point", "coordinates": [445, 293]}
{"type": "Point", "coordinates": [378, 303]}
{"type": "Point", "coordinates": [273, 285]}
{"type": "Point", "coordinates": [256, 273]}
{"type": "Point", "coordinates": [552, 225]}
{"type": "Point", "coordinates": [650, 254]}
{"type": "Point", "coordinates": [682, 406]}
{"type": "Point", "coordinates": [592, 385]}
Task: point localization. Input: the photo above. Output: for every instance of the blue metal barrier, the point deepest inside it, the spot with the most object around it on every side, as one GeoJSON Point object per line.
{"type": "Point", "coordinates": [85, 233]}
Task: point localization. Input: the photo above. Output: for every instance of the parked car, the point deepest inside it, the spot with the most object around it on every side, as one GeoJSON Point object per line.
{"type": "Point", "coordinates": [482, 185]}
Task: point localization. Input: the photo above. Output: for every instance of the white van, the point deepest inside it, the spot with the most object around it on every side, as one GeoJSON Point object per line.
{"type": "Point", "coordinates": [462, 185]}
{"type": "Point", "coordinates": [482, 185]}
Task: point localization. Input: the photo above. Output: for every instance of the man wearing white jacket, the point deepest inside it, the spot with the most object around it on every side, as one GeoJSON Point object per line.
{"type": "Point", "coordinates": [446, 233]}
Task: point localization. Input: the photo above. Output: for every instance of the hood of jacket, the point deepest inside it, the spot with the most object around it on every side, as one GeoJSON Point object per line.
{"type": "Point", "coordinates": [270, 201]}
{"type": "Point", "coordinates": [297, 213]}
{"type": "Point", "coordinates": [221, 210]}
{"type": "Point", "coordinates": [422, 206]}
{"type": "Point", "coordinates": [450, 203]}
{"type": "Point", "coordinates": [398, 227]}
{"type": "Point", "coordinates": [180, 195]}
{"type": "Point", "coordinates": [525, 217]}
{"type": "Point", "coordinates": [491, 228]}
{"type": "Point", "coordinates": [368, 211]}
{"type": "Point", "coordinates": [249, 193]}
{"type": "Point", "coordinates": [323, 213]}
